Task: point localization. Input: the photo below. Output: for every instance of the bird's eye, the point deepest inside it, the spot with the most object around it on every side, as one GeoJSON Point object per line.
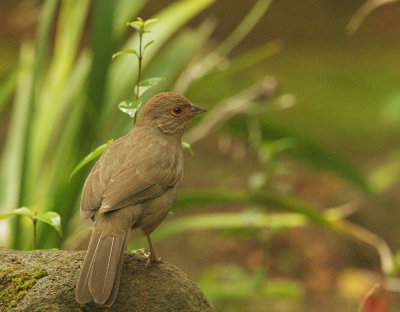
{"type": "Point", "coordinates": [177, 111]}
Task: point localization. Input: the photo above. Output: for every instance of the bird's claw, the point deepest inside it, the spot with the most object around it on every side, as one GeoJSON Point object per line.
{"type": "Point", "coordinates": [149, 257]}
{"type": "Point", "coordinates": [152, 258]}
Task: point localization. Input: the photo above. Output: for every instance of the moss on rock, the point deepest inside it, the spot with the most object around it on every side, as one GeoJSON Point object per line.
{"type": "Point", "coordinates": [15, 284]}
{"type": "Point", "coordinates": [44, 281]}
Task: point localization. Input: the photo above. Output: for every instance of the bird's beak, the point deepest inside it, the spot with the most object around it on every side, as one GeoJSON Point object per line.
{"type": "Point", "coordinates": [195, 110]}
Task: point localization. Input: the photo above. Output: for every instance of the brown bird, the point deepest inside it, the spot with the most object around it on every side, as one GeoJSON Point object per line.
{"type": "Point", "coordinates": [132, 185]}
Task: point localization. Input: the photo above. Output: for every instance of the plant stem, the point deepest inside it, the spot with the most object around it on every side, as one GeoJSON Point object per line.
{"type": "Point", "coordinates": [34, 220]}
{"type": "Point", "coordinates": [140, 57]}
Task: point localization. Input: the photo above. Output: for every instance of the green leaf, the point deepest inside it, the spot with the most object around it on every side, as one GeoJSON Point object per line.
{"type": "Point", "coordinates": [92, 155]}
{"type": "Point", "coordinates": [147, 44]}
{"type": "Point", "coordinates": [23, 211]}
{"type": "Point", "coordinates": [188, 147]}
{"type": "Point", "coordinates": [129, 51]}
{"type": "Point", "coordinates": [150, 21]}
{"type": "Point", "coordinates": [130, 107]}
{"type": "Point", "coordinates": [136, 26]}
{"type": "Point", "coordinates": [125, 10]}
{"type": "Point", "coordinates": [148, 83]}
{"type": "Point", "coordinates": [139, 23]}
{"type": "Point", "coordinates": [52, 218]}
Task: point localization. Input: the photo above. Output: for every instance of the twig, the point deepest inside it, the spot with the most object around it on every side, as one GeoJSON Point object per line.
{"type": "Point", "coordinates": [229, 108]}
{"type": "Point", "coordinates": [362, 13]}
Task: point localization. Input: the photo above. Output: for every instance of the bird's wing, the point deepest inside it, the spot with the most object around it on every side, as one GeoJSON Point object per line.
{"type": "Point", "coordinates": [135, 185]}
{"type": "Point", "coordinates": [92, 191]}
{"type": "Point", "coordinates": [117, 181]}
{"type": "Point", "coordinates": [98, 179]}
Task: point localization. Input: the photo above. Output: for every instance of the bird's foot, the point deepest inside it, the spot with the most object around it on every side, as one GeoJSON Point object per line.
{"type": "Point", "coordinates": [152, 258]}
{"type": "Point", "coordinates": [149, 257]}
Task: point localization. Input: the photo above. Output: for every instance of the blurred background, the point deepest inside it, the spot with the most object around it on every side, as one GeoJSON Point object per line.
{"type": "Point", "coordinates": [290, 201]}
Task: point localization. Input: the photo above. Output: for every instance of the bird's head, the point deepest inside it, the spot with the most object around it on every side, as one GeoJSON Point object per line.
{"type": "Point", "coordinates": [168, 111]}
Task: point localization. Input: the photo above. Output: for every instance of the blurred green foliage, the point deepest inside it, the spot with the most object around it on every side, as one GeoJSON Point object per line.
{"type": "Point", "coordinates": [231, 288]}
{"type": "Point", "coordinates": [65, 94]}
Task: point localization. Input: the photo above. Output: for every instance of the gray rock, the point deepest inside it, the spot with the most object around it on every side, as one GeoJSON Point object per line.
{"type": "Point", "coordinates": [44, 280]}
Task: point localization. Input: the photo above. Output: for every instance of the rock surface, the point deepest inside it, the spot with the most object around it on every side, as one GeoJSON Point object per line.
{"type": "Point", "coordinates": [44, 280]}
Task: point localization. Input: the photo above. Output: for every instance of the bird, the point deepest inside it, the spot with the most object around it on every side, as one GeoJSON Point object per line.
{"type": "Point", "coordinates": [133, 185]}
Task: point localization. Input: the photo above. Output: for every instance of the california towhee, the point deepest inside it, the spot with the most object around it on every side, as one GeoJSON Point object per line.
{"type": "Point", "coordinates": [132, 185]}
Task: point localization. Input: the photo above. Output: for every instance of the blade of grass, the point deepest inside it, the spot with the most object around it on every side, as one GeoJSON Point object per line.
{"type": "Point", "coordinates": [361, 14]}
{"type": "Point", "coordinates": [226, 196]}
{"type": "Point", "coordinates": [231, 220]}
{"type": "Point", "coordinates": [49, 111]}
{"type": "Point", "coordinates": [317, 156]}
{"type": "Point", "coordinates": [343, 227]}
{"type": "Point", "coordinates": [239, 64]}
{"type": "Point", "coordinates": [7, 88]}
{"type": "Point", "coordinates": [13, 155]}
{"type": "Point", "coordinates": [42, 40]}
{"type": "Point", "coordinates": [224, 111]}
{"type": "Point", "coordinates": [102, 47]}
{"type": "Point", "coordinates": [245, 26]}
{"type": "Point", "coordinates": [209, 61]}
{"type": "Point", "coordinates": [41, 51]}
{"type": "Point", "coordinates": [69, 150]}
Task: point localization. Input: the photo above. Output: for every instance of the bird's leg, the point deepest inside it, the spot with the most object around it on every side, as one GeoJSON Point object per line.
{"type": "Point", "coordinates": [152, 256]}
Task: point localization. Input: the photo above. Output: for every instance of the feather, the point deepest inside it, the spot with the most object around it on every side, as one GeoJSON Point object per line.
{"type": "Point", "coordinates": [105, 268]}
{"type": "Point", "coordinates": [82, 292]}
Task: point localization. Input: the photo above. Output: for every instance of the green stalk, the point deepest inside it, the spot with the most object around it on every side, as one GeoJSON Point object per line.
{"type": "Point", "coordinates": [140, 57]}
{"type": "Point", "coordinates": [34, 221]}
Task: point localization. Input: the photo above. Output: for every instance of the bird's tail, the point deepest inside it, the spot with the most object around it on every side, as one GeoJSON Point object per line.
{"type": "Point", "coordinates": [101, 270]}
